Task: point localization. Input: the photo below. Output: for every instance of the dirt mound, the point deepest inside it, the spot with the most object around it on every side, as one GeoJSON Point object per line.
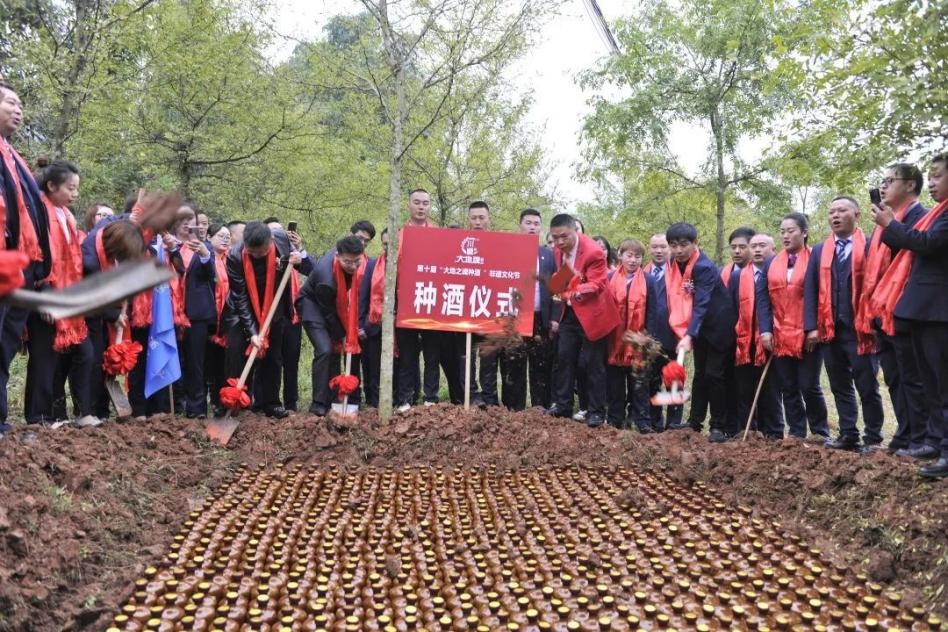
{"type": "Point", "coordinates": [83, 511]}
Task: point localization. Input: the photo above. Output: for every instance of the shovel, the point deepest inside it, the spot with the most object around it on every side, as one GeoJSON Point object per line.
{"type": "Point", "coordinates": [94, 292]}
{"type": "Point", "coordinates": [677, 395]}
{"type": "Point", "coordinates": [113, 388]}
{"type": "Point", "coordinates": [221, 430]}
{"type": "Point", "coordinates": [345, 409]}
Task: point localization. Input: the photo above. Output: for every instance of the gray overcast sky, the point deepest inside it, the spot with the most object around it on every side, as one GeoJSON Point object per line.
{"type": "Point", "coordinates": [567, 45]}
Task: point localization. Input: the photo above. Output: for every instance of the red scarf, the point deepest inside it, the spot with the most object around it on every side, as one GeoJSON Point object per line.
{"type": "Point", "coordinates": [178, 286]}
{"type": "Point", "coordinates": [825, 325]}
{"type": "Point", "coordinates": [680, 290]}
{"type": "Point", "coordinates": [890, 287]}
{"type": "Point", "coordinates": [347, 306]}
{"type": "Point", "coordinates": [29, 242]}
{"type": "Point", "coordinates": [65, 269]}
{"type": "Point", "coordinates": [377, 291]}
{"type": "Point", "coordinates": [221, 288]}
{"type": "Point", "coordinates": [877, 261]}
{"type": "Point", "coordinates": [786, 298]}
{"type": "Point", "coordinates": [747, 328]}
{"type": "Point", "coordinates": [260, 307]}
{"type": "Point", "coordinates": [630, 298]}
{"type": "Point", "coordinates": [141, 302]}
{"type": "Point", "coordinates": [726, 272]}
{"type": "Point", "coordinates": [294, 292]}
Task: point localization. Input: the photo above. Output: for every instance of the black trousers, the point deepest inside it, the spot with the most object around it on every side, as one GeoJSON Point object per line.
{"type": "Point", "coordinates": [451, 359]}
{"type": "Point", "coordinates": [845, 369]}
{"type": "Point", "coordinates": [799, 382]}
{"type": "Point", "coordinates": [487, 376]}
{"type": "Point", "coordinates": [11, 340]}
{"type": "Point", "coordinates": [900, 372]}
{"type": "Point", "coordinates": [674, 413]}
{"type": "Point", "coordinates": [292, 346]}
{"type": "Point", "coordinates": [698, 411]}
{"type": "Point", "coordinates": [215, 373]}
{"type": "Point", "coordinates": [194, 358]}
{"type": "Point", "coordinates": [47, 372]}
{"type": "Point", "coordinates": [75, 368]}
{"type": "Point", "coordinates": [930, 341]}
{"type": "Point", "coordinates": [712, 366]}
{"type": "Point", "coordinates": [265, 374]}
{"type": "Point", "coordinates": [768, 418]}
{"type": "Point", "coordinates": [413, 343]}
{"type": "Point", "coordinates": [98, 337]}
{"type": "Point", "coordinates": [159, 402]}
{"type": "Point", "coordinates": [627, 398]}
{"type": "Point", "coordinates": [575, 350]}
{"type": "Point", "coordinates": [371, 358]}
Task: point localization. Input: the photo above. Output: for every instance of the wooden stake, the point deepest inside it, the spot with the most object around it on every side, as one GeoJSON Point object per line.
{"type": "Point", "coordinates": [760, 385]}
{"type": "Point", "coordinates": [467, 371]}
{"type": "Point", "coordinates": [345, 398]}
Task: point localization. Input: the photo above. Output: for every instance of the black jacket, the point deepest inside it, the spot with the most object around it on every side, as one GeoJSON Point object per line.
{"type": "Point", "coordinates": [199, 302]}
{"type": "Point", "coordinates": [316, 302]}
{"type": "Point", "coordinates": [712, 314]}
{"type": "Point", "coordinates": [926, 293]}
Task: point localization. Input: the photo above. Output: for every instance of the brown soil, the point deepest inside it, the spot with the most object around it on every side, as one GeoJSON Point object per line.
{"type": "Point", "coordinates": [83, 512]}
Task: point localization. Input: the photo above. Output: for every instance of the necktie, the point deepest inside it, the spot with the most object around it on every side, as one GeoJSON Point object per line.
{"type": "Point", "coordinates": [841, 249]}
{"type": "Point", "coordinates": [791, 261]}
{"type": "Point", "coordinates": [657, 273]}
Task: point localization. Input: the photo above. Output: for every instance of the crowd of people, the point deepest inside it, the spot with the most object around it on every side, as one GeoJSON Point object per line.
{"type": "Point", "coordinates": [760, 329]}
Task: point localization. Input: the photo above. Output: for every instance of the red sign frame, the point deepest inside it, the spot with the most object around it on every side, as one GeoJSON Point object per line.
{"type": "Point", "coordinates": [465, 280]}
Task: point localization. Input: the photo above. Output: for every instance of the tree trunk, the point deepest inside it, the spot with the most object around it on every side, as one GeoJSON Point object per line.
{"type": "Point", "coordinates": [81, 46]}
{"type": "Point", "coordinates": [720, 188]}
{"type": "Point", "coordinates": [396, 64]}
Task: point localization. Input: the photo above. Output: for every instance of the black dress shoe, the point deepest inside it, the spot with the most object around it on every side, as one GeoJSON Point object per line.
{"type": "Point", "coordinates": [717, 436]}
{"type": "Point", "coordinates": [595, 420]}
{"type": "Point", "coordinates": [678, 425]}
{"type": "Point", "coordinates": [843, 443]}
{"type": "Point", "coordinates": [938, 469]}
{"type": "Point", "coordinates": [276, 412]}
{"type": "Point", "coordinates": [319, 411]}
{"type": "Point", "coordinates": [644, 428]}
{"type": "Point", "coordinates": [869, 448]}
{"type": "Point", "coordinates": [924, 453]}
{"type": "Point", "coordinates": [558, 411]}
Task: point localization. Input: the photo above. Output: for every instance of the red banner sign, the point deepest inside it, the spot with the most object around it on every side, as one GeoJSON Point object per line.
{"type": "Point", "coordinates": [465, 280]}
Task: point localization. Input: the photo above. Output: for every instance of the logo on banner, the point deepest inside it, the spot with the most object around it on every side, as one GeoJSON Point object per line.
{"type": "Point", "coordinates": [469, 246]}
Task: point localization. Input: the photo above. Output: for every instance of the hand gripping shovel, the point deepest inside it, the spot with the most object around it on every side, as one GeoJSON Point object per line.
{"type": "Point", "coordinates": [221, 430]}
{"type": "Point", "coordinates": [94, 292]}
{"type": "Point", "coordinates": [113, 387]}
{"type": "Point", "coordinates": [673, 375]}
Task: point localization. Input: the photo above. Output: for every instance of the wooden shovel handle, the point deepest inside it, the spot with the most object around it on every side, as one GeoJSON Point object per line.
{"type": "Point", "coordinates": [266, 324]}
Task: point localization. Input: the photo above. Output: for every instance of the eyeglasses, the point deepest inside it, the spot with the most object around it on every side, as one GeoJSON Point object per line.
{"type": "Point", "coordinates": [888, 181]}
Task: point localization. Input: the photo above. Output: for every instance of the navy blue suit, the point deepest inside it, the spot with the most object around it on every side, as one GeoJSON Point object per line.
{"type": "Point", "coordinates": [924, 307]}
{"type": "Point", "coordinates": [372, 343]}
{"type": "Point", "coordinates": [899, 370]}
{"type": "Point", "coordinates": [845, 368]}
{"type": "Point", "coordinates": [712, 330]}
{"type": "Point", "coordinates": [661, 331]}
{"type": "Point", "coordinates": [201, 310]}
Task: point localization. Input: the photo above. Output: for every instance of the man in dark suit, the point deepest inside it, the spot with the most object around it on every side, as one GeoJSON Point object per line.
{"type": "Point", "coordinates": [24, 229]}
{"type": "Point", "coordinates": [656, 269]}
{"type": "Point", "coordinates": [769, 414]}
{"type": "Point", "coordinates": [267, 255]}
{"type": "Point", "coordinates": [901, 185]}
{"type": "Point", "coordinates": [832, 289]}
{"type": "Point", "coordinates": [587, 315]}
{"type": "Point", "coordinates": [538, 349]}
{"type": "Point", "coordinates": [739, 245]}
{"type": "Point", "coordinates": [702, 317]}
{"type": "Point", "coordinates": [317, 305]}
{"type": "Point", "coordinates": [921, 301]}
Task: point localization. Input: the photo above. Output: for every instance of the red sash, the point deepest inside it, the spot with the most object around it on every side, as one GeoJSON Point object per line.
{"type": "Point", "coordinates": [825, 326]}
{"type": "Point", "coordinates": [377, 291]}
{"type": "Point", "coordinates": [726, 272]}
{"type": "Point", "coordinates": [221, 288]}
{"type": "Point", "coordinates": [786, 299]}
{"type": "Point", "coordinates": [680, 290]}
{"type": "Point", "coordinates": [29, 242]}
{"type": "Point", "coordinates": [260, 307]}
{"type": "Point", "coordinates": [890, 287]}
{"type": "Point", "coordinates": [65, 269]}
{"type": "Point", "coordinates": [747, 329]}
{"type": "Point", "coordinates": [630, 300]}
{"type": "Point", "coordinates": [347, 306]}
{"type": "Point", "coordinates": [877, 261]}
{"type": "Point", "coordinates": [178, 286]}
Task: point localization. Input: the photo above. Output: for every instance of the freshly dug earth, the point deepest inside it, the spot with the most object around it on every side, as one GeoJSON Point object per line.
{"type": "Point", "coordinates": [84, 511]}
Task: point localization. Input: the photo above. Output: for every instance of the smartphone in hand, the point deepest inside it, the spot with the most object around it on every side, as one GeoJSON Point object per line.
{"type": "Point", "coordinates": [291, 227]}
{"type": "Point", "coordinates": [875, 196]}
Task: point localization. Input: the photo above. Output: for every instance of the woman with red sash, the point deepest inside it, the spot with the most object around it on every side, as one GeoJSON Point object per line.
{"type": "Point", "coordinates": [195, 311]}
{"type": "Point", "coordinates": [215, 355]}
{"type": "Point", "coordinates": [626, 373]}
{"type": "Point", "coordinates": [59, 348]}
{"type": "Point", "coordinates": [798, 371]}
{"type": "Point", "coordinates": [912, 293]}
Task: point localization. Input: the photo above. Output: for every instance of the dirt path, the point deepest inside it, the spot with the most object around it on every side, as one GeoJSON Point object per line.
{"type": "Point", "coordinates": [83, 512]}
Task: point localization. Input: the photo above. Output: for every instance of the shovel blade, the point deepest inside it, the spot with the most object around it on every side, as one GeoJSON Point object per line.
{"type": "Point", "coordinates": [350, 410]}
{"type": "Point", "coordinates": [221, 430]}
{"type": "Point", "coordinates": [118, 397]}
{"type": "Point", "coordinates": [667, 398]}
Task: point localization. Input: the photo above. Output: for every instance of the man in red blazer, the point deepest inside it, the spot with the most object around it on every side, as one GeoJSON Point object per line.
{"type": "Point", "coordinates": [587, 314]}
